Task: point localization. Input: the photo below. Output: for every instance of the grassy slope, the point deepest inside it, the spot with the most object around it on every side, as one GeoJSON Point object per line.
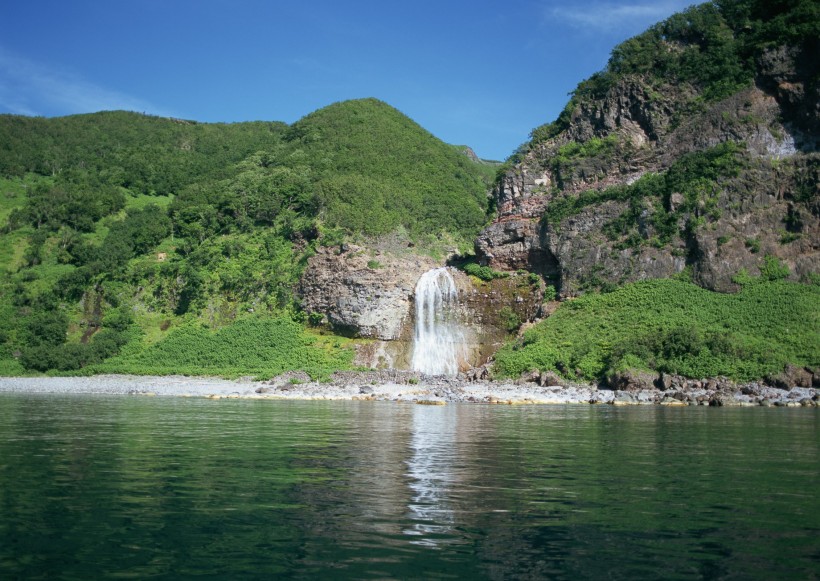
{"type": "Point", "coordinates": [259, 347]}
{"type": "Point", "coordinates": [675, 326]}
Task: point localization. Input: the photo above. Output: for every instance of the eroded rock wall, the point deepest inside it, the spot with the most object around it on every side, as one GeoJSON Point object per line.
{"type": "Point", "coordinates": [371, 296]}
{"type": "Point", "coordinates": [772, 207]}
{"type": "Point", "coordinates": [361, 293]}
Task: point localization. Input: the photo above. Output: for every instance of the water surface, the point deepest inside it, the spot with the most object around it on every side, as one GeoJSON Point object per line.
{"type": "Point", "coordinates": [134, 487]}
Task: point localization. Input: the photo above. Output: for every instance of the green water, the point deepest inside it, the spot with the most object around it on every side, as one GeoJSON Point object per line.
{"type": "Point", "coordinates": [133, 487]}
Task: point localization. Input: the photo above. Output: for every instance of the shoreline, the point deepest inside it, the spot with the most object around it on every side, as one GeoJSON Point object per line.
{"type": "Point", "coordinates": [406, 387]}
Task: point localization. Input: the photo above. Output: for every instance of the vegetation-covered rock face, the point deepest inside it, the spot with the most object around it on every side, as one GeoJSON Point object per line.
{"type": "Point", "coordinates": [695, 149]}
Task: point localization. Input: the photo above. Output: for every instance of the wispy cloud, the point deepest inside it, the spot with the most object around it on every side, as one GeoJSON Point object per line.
{"type": "Point", "coordinates": [30, 88]}
{"type": "Point", "coordinates": [616, 16]}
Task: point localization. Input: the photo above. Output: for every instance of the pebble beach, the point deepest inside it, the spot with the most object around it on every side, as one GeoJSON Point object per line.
{"type": "Point", "coordinates": [404, 387]}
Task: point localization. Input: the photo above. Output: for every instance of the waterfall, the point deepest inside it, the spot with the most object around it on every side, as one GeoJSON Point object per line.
{"type": "Point", "coordinates": [438, 338]}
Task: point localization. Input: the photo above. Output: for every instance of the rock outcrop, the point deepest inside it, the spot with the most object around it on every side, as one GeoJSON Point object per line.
{"type": "Point", "coordinates": [361, 293]}
{"type": "Point", "coordinates": [771, 206]}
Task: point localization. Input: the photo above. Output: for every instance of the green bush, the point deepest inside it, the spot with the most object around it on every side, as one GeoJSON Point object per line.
{"type": "Point", "coordinates": [72, 356]}
{"type": "Point", "coordinates": [254, 346]}
{"type": "Point", "coordinates": [509, 319]}
{"type": "Point", "coordinates": [675, 326]}
{"type": "Point", "coordinates": [773, 269]}
{"type": "Point", "coordinates": [484, 273]}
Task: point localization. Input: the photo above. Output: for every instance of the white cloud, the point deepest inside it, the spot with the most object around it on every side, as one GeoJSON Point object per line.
{"type": "Point", "coordinates": [30, 88]}
{"type": "Point", "coordinates": [615, 16]}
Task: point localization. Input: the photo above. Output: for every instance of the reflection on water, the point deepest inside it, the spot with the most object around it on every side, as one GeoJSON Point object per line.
{"type": "Point", "coordinates": [96, 487]}
{"type": "Point", "coordinates": [430, 468]}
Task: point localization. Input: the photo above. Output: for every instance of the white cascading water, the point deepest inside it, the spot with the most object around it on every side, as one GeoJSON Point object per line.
{"type": "Point", "coordinates": [438, 339]}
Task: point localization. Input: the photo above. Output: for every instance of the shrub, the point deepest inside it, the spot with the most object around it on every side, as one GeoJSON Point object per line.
{"type": "Point", "coordinates": [255, 346]}
{"type": "Point", "coordinates": [509, 319]}
{"type": "Point", "coordinates": [483, 272]}
{"type": "Point", "coordinates": [675, 326]}
{"type": "Point", "coordinates": [773, 269]}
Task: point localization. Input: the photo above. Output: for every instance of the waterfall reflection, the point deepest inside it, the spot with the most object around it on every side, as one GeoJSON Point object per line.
{"type": "Point", "coordinates": [431, 470]}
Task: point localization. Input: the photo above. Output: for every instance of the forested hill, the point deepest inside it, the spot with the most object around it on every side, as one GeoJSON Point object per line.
{"type": "Point", "coordinates": [144, 154]}
{"type": "Point", "coordinates": [117, 228]}
{"type": "Point", "coordinates": [376, 170]}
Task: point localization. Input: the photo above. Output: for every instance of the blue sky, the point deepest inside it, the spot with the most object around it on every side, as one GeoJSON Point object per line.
{"type": "Point", "coordinates": [479, 73]}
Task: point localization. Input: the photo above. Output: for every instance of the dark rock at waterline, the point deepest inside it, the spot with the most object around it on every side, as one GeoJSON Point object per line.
{"type": "Point", "coordinates": [548, 378]}
{"type": "Point", "coordinates": [544, 379]}
{"type": "Point", "coordinates": [632, 380]}
{"type": "Point", "coordinates": [477, 374]}
{"type": "Point", "coordinates": [750, 390]}
{"type": "Point", "coordinates": [665, 382]}
{"type": "Point", "coordinates": [792, 376]}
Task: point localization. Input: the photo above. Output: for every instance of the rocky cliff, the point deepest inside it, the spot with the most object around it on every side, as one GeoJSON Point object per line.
{"type": "Point", "coordinates": [361, 292]}
{"type": "Point", "coordinates": [651, 176]}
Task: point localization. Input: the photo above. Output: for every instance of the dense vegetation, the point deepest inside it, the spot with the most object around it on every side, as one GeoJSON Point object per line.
{"type": "Point", "coordinates": [122, 232]}
{"type": "Point", "coordinates": [711, 46]}
{"type": "Point", "coordinates": [143, 154]}
{"type": "Point", "coordinates": [676, 327]}
{"type": "Point", "coordinates": [259, 347]}
{"type": "Point", "coordinates": [695, 176]}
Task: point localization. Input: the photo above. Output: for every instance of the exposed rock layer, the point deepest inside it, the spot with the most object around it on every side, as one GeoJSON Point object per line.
{"type": "Point", "coordinates": [361, 294]}
{"type": "Point", "coordinates": [771, 208]}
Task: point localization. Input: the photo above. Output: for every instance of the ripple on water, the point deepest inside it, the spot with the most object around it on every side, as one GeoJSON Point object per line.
{"type": "Point", "coordinates": [102, 486]}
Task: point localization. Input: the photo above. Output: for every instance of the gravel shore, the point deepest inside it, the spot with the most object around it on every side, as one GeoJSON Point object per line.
{"type": "Point", "coordinates": [398, 386]}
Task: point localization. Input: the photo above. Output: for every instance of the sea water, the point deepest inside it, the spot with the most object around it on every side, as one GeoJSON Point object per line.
{"type": "Point", "coordinates": [96, 487]}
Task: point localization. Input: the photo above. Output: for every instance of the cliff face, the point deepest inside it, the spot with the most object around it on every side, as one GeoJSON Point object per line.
{"type": "Point", "coordinates": [359, 293]}
{"type": "Point", "coordinates": [585, 209]}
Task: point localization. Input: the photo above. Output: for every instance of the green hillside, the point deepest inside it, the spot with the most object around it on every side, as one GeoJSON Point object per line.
{"type": "Point", "coordinates": [144, 154]}
{"type": "Point", "coordinates": [714, 47]}
{"type": "Point", "coordinates": [359, 166]}
{"type": "Point", "coordinates": [377, 169]}
{"type": "Point", "coordinates": [119, 228]}
{"type": "Point", "coordinates": [675, 326]}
